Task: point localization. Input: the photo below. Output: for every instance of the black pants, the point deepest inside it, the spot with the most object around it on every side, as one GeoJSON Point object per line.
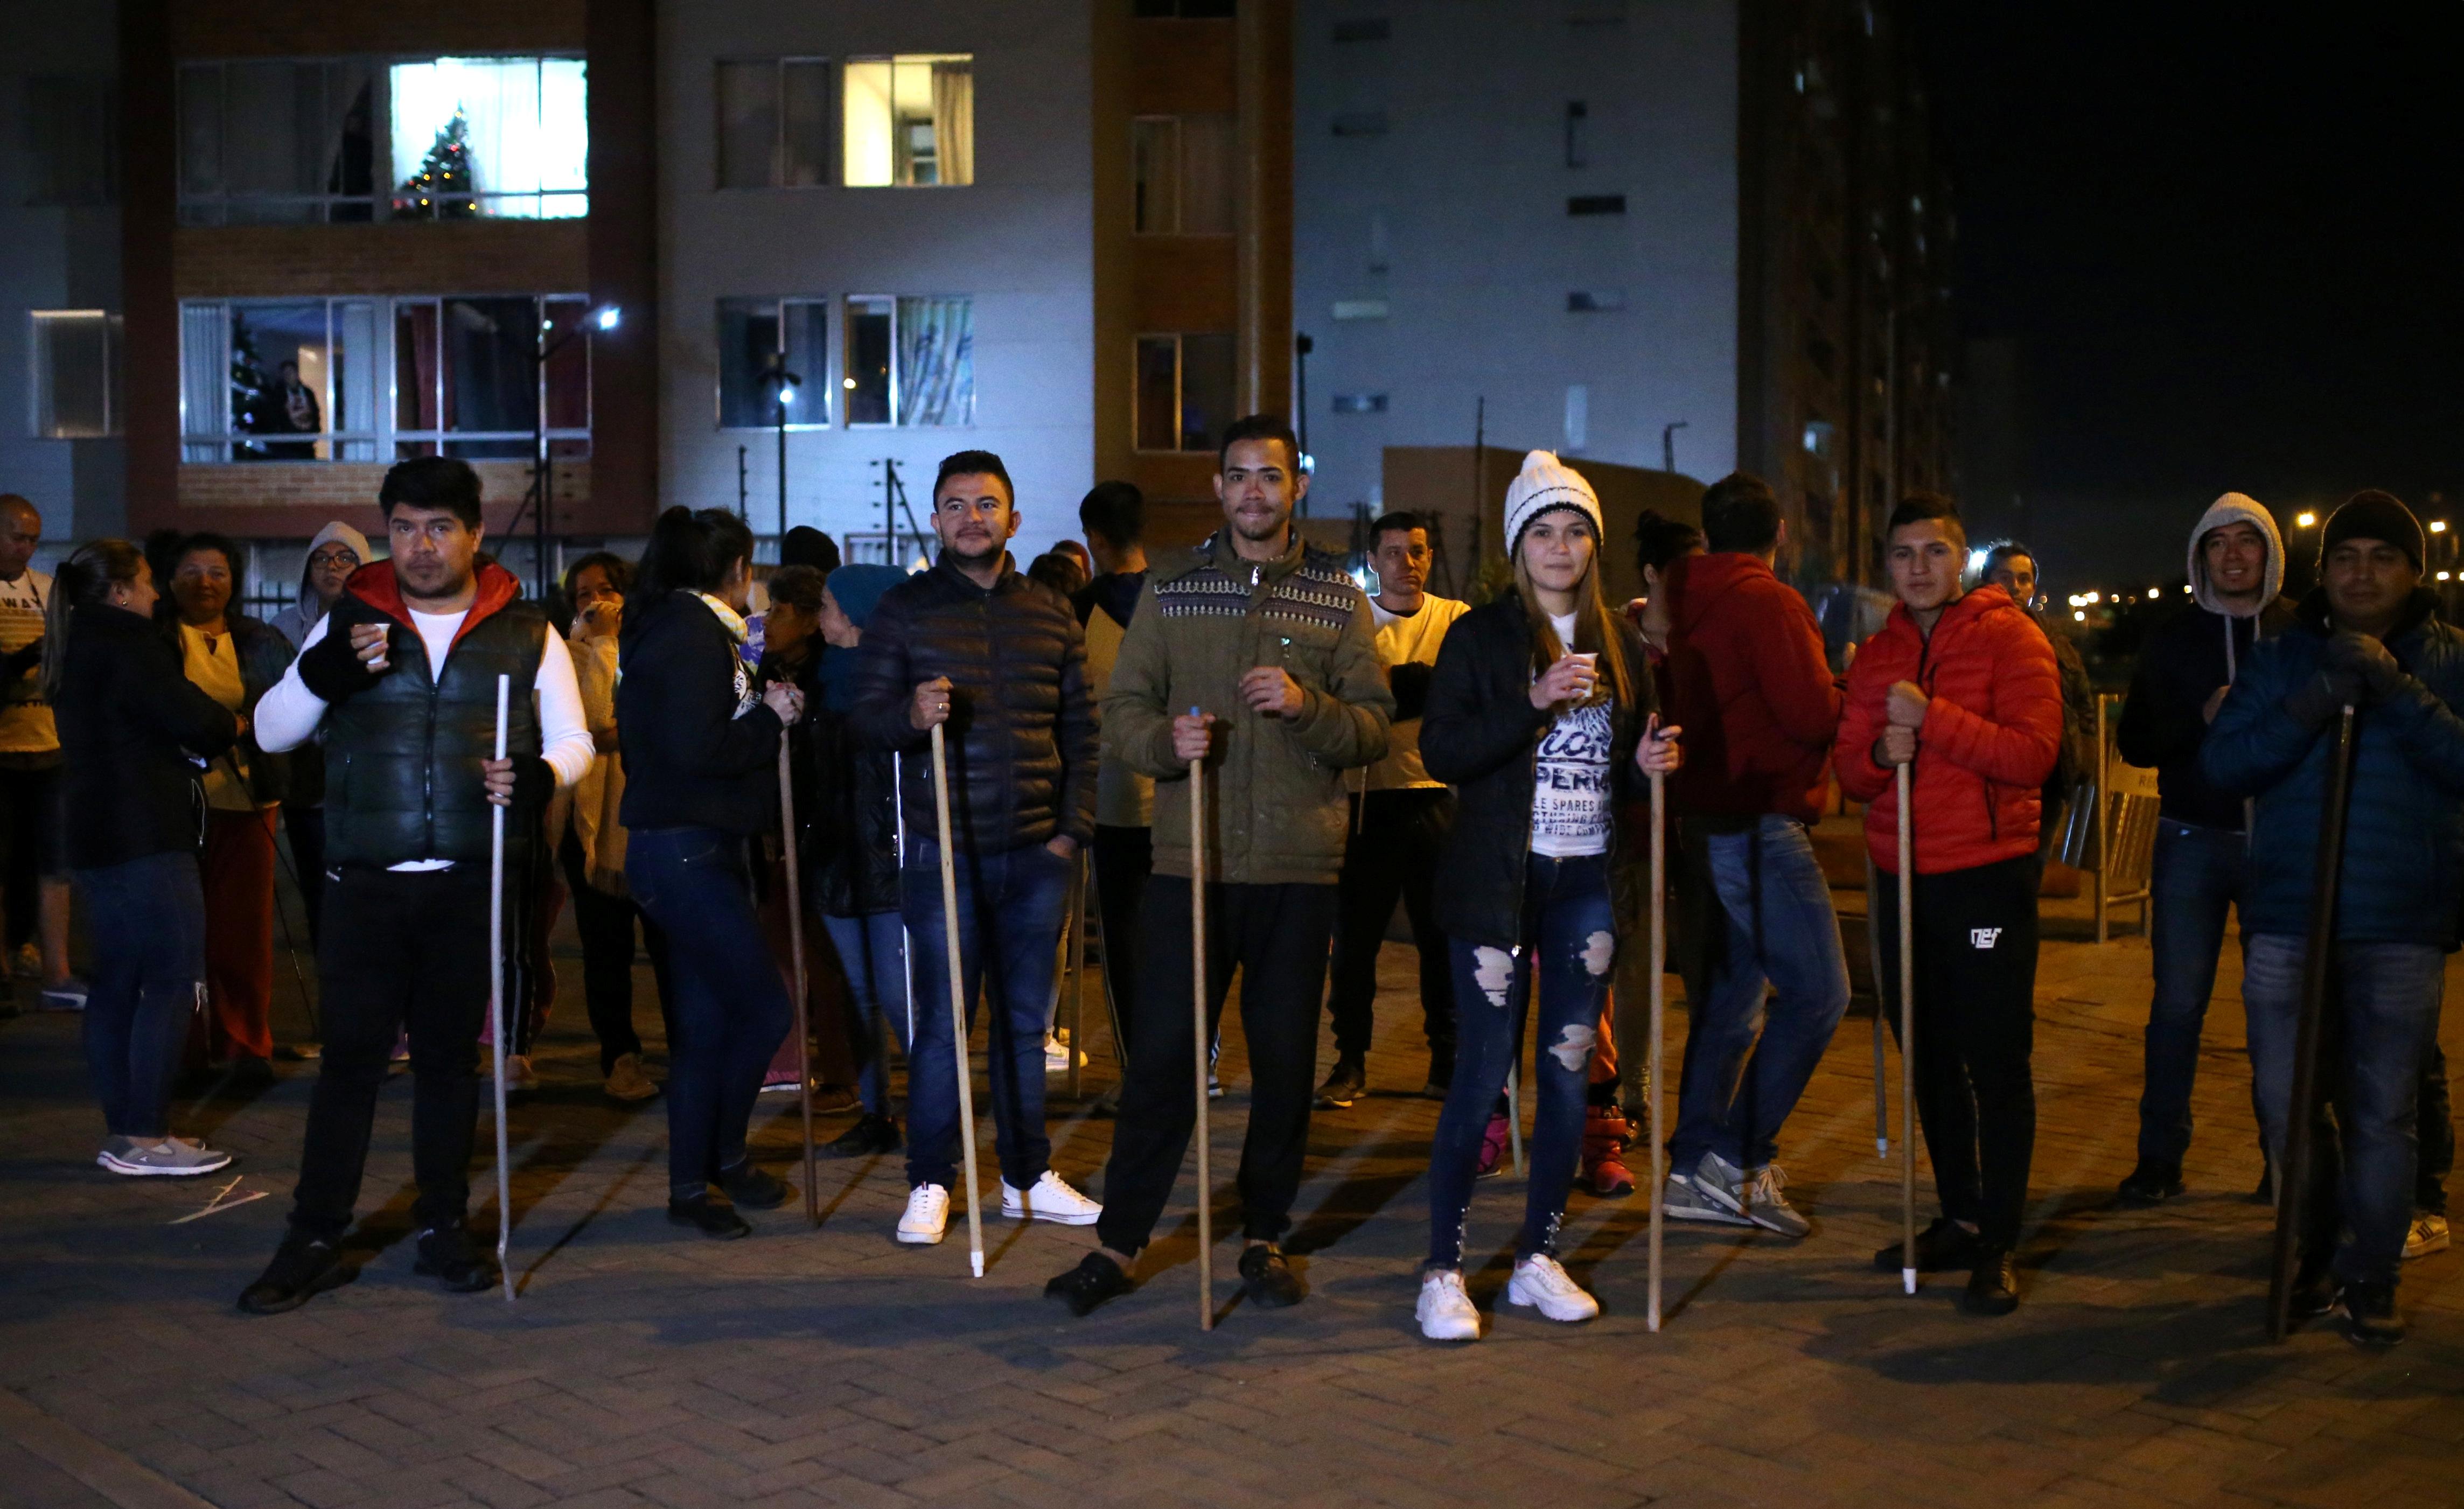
{"type": "Point", "coordinates": [1976, 1022]}
{"type": "Point", "coordinates": [1123, 859]}
{"type": "Point", "coordinates": [33, 830]}
{"type": "Point", "coordinates": [2434, 1124]}
{"type": "Point", "coordinates": [401, 950]}
{"type": "Point", "coordinates": [306, 826]}
{"type": "Point", "coordinates": [1276, 935]}
{"type": "Point", "coordinates": [1394, 853]}
{"type": "Point", "coordinates": [605, 924]}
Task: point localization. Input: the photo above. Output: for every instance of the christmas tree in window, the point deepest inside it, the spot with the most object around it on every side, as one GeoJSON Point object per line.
{"type": "Point", "coordinates": [441, 189]}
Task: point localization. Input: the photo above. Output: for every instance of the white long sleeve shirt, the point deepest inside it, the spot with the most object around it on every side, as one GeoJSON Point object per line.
{"type": "Point", "coordinates": [287, 716]}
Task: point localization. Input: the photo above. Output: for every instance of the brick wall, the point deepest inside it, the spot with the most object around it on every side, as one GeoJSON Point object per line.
{"type": "Point", "coordinates": [312, 28]}
{"type": "Point", "coordinates": [275, 501]}
{"type": "Point", "coordinates": [468, 256]}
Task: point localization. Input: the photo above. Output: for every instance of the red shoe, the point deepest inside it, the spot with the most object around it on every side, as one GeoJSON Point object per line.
{"type": "Point", "coordinates": [1604, 1137]}
{"type": "Point", "coordinates": [1493, 1149]}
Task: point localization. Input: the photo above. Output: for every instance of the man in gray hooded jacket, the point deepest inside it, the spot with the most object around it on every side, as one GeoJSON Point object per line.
{"type": "Point", "coordinates": [2237, 568]}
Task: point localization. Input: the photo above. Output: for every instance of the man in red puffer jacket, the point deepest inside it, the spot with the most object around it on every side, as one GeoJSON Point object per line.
{"type": "Point", "coordinates": [1964, 688]}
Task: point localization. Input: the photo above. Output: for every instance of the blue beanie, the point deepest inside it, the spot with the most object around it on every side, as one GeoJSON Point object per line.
{"type": "Point", "coordinates": [857, 589]}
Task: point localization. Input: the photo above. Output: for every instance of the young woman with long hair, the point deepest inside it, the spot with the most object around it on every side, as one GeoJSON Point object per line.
{"type": "Point", "coordinates": [1540, 712]}
{"type": "Point", "coordinates": [701, 750]}
{"type": "Point", "coordinates": [133, 728]}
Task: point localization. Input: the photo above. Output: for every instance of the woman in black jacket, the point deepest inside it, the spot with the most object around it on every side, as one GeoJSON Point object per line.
{"type": "Point", "coordinates": [700, 756]}
{"type": "Point", "coordinates": [134, 732]}
{"type": "Point", "coordinates": [1538, 719]}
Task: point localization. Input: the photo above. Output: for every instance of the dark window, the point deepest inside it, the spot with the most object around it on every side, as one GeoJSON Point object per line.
{"type": "Point", "coordinates": [1370, 30]}
{"type": "Point", "coordinates": [773, 122]}
{"type": "Point", "coordinates": [72, 127]}
{"type": "Point", "coordinates": [756, 344]}
{"type": "Point", "coordinates": [1595, 205]}
{"type": "Point", "coordinates": [1184, 391]}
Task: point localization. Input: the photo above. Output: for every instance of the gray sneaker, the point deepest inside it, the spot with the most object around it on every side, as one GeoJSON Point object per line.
{"type": "Point", "coordinates": [172, 1156]}
{"type": "Point", "coordinates": [111, 1146]}
{"type": "Point", "coordinates": [1752, 1199]}
{"type": "Point", "coordinates": [1686, 1200]}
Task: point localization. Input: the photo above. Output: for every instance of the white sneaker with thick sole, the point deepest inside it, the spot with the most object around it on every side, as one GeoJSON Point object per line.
{"type": "Point", "coordinates": [927, 1215]}
{"type": "Point", "coordinates": [2427, 1234]}
{"type": "Point", "coordinates": [1050, 1199]}
{"type": "Point", "coordinates": [1056, 1055]}
{"type": "Point", "coordinates": [172, 1157]}
{"type": "Point", "coordinates": [1539, 1282]}
{"type": "Point", "coordinates": [1446, 1311]}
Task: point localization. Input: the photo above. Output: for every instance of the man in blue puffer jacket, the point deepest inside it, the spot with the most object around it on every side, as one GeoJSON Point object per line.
{"type": "Point", "coordinates": [2368, 637]}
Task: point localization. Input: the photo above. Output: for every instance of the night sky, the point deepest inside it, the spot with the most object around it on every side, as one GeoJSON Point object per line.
{"type": "Point", "coordinates": [2230, 240]}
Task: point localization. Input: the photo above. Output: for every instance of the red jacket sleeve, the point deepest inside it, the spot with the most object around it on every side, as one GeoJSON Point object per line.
{"type": "Point", "coordinates": [2018, 743]}
{"type": "Point", "coordinates": [1861, 724]}
{"type": "Point", "coordinates": [1792, 674]}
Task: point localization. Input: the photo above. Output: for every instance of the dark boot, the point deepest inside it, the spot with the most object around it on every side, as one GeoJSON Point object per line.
{"type": "Point", "coordinates": [1993, 1283]}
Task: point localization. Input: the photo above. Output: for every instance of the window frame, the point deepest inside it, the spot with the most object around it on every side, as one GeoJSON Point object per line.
{"type": "Point", "coordinates": [824, 383]}
{"type": "Point", "coordinates": [40, 371]}
{"type": "Point", "coordinates": [386, 437]}
{"type": "Point", "coordinates": [845, 96]}
{"type": "Point", "coordinates": [1179, 340]}
{"type": "Point", "coordinates": [845, 373]}
{"type": "Point", "coordinates": [831, 157]}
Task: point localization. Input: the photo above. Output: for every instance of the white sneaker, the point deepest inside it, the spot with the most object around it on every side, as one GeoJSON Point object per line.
{"type": "Point", "coordinates": [1539, 1282]}
{"type": "Point", "coordinates": [173, 1158]}
{"type": "Point", "coordinates": [1056, 1055]}
{"type": "Point", "coordinates": [927, 1216]}
{"type": "Point", "coordinates": [1446, 1311]}
{"type": "Point", "coordinates": [1050, 1199]}
{"type": "Point", "coordinates": [520, 1076]}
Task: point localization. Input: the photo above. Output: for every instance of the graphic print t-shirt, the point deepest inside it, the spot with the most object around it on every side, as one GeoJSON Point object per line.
{"type": "Point", "coordinates": [1570, 790]}
{"type": "Point", "coordinates": [25, 717]}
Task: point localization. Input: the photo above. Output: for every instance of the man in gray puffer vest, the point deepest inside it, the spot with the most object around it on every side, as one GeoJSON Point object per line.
{"type": "Point", "coordinates": [402, 675]}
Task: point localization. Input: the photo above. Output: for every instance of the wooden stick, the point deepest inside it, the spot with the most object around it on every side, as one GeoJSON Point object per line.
{"type": "Point", "coordinates": [497, 1004]}
{"type": "Point", "coordinates": [1197, 1010]}
{"type": "Point", "coordinates": [1907, 1035]}
{"type": "Point", "coordinates": [795, 952]}
{"type": "Point", "coordinates": [1659, 1026]}
{"type": "Point", "coordinates": [1881, 1005]}
{"type": "Point", "coordinates": [1078, 975]}
{"type": "Point", "coordinates": [957, 998]}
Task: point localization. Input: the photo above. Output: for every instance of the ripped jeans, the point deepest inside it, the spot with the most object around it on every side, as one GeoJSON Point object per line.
{"type": "Point", "coordinates": [1571, 932]}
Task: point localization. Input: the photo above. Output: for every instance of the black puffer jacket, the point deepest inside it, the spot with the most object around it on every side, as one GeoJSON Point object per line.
{"type": "Point", "coordinates": [1481, 735]}
{"type": "Point", "coordinates": [1022, 732]}
{"type": "Point", "coordinates": [129, 720]}
{"type": "Point", "coordinates": [699, 750]}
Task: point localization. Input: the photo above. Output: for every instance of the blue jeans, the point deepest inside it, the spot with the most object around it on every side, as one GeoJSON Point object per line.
{"type": "Point", "coordinates": [2385, 997]}
{"type": "Point", "coordinates": [2199, 873]}
{"type": "Point", "coordinates": [873, 950]}
{"type": "Point", "coordinates": [1009, 924]}
{"type": "Point", "coordinates": [1572, 926]}
{"type": "Point", "coordinates": [731, 1006]}
{"type": "Point", "coordinates": [147, 918]}
{"type": "Point", "coordinates": [1746, 1064]}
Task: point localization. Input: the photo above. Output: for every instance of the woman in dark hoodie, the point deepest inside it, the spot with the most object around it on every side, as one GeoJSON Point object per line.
{"type": "Point", "coordinates": [135, 731]}
{"type": "Point", "coordinates": [701, 749]}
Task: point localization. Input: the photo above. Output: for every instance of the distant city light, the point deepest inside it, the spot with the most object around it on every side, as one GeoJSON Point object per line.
{"type": "Point", "coordinates": [2186, 589]}
{"type": "Point", "coordinates": [2438, 526]}
{"type": "Point", "coordinates": [610, 318]}
{"type": "Point", "coordinates": [848, 384]}
{"type": "Point", "coordinates": [2442, 576]}
{"type": "Point", "coordinates": [2092, 597]}
{"type": "Point", "coordinates": [2304, 520]}
{"type": "Point", "coordinates": [2081, 616]}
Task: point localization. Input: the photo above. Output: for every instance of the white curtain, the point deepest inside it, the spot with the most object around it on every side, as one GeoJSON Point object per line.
{"type": "Point", "coordinates": [205, 380]}
{"type": "Point", "coordinates": [937, 360]}
{"type": "Point", "coordinates": [953, 122]}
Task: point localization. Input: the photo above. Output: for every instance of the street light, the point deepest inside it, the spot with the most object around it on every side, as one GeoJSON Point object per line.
{"type": "Point", "coordinates": [2304, 520]}
{"type": "Point", "coordinates": [606, 316]}
{"type": "Point", "coordinates": [785, 383]}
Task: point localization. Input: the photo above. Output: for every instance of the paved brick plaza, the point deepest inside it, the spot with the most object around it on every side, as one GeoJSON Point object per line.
{"type": "Point", "coordinates": [644, 1365]}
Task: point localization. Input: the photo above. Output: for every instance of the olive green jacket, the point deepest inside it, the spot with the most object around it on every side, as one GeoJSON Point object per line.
{"type": "Point", "coordinates": [1275, 800]}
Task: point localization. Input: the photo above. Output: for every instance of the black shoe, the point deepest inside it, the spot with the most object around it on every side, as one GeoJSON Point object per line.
{"type": "Point", "coordinates": [302, 1268]}
{"type": "Point", "coordinates": [2314, 1290]}
{"type": "Point", "coordinates": [2370, 1316]}
{"type": "Point", "coordinates": [1095, 1279]}
{"type": "Point", "coordinates": [1441, 1076]}
{"type": "Point", "coordinates": [1943, 1245]}
{"type": "Point", "coordinates": [1993, 1283]}
{"type": "Point", "coordinates": [2152, 1183]}
{"type": "Point", "coordinates": [1268, 1279]}
{"type": "Point", "coordinates": [1343, 1084]}
{"type": "Point", "coordinates": [755, 1188]}
{"type": "Point", "coordinates": [870, 1137]}
{"type": "Point", "coordinates": [711, 1218]}
{"type": "Point", "coordinates": [446, 1255]}
{"type": "Point", "coordinates": [2265, 1193]}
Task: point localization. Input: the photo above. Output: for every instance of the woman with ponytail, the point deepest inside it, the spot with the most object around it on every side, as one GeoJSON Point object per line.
{"type": "Point", "coordinates": [701, 752]}
{"type": "Point", "coordinates": [135, 731]}
{"type": "Point", "coordinates": [1541, 713]}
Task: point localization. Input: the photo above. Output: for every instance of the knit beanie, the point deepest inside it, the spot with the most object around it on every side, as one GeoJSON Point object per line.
{"type": "Point", "coordinates": [1547, 483]}
{"type": "Point", "coordinates": [2373, 515]}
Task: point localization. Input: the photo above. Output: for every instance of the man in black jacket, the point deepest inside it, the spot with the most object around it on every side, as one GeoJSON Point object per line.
{"type": "Point", "coordinates": [402, 675]}
{"type": "Point", "coordinates": [2202, 862]}
{"type": "Point", "coordinates": [999, 660]}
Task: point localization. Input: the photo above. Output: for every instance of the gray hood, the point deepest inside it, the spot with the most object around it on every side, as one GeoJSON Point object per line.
{"type": "Point", "coordinates": [2236, 508]}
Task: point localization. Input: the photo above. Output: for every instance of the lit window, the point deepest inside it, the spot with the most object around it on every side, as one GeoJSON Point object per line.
{"type": "Point", "coordinates": [293, 381]}
{"type": "Point", "coordinates": [908, 362]}
{"type": "Point", "coordinates": [490, 136]}
{"type": "Point", "coordinates": [774, 122]}
{"type": "Point", "coordinates": [264, 143]}
{"type": "Point", "coordinates": [757, 340]}
{"type": "Point", "coordinates": [76, 375]}
{"type": "Point", "coordinates": [1184, 174]}
{"type": "Point", "coordinates": [911, 121]}
{"type": "Point", "coordinates": [1184, 391]}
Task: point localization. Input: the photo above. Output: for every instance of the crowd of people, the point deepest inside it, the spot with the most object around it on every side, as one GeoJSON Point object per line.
{"type": "Point", "coordinates": [1488, 768]}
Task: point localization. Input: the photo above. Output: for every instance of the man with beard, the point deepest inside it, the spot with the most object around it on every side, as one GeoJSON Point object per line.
{"type": "Point", "coordinates": [1257, 655]}
{"type": "Point", "coordinates": [1000, 660]}
{"type": "Point", "coordinates": [401, 674]}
